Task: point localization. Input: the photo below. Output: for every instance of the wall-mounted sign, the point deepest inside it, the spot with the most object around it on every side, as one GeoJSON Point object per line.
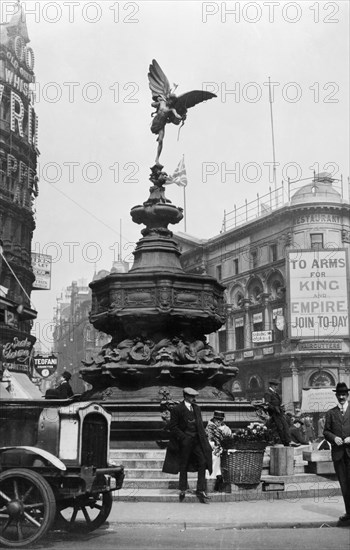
{"type": "Point", "coordinates": [269, 351]}
{"type": "Point", "coordinates": [318, 291]}
{"type": "Point", "coordinates": [41, 264]}
{"type": "Point", "coordinates": [45, 365]}
{"type": "Point", "coordinates": [249, 353]}
{"type": "Point", "coordinates": [277, 312]}
{"type": "Point", "coordinates": [317, 218]}
{"type": "Point", "coordinates": [259, 336]}
{"type": "Point", "coordinates": [257, 318]}
{"type": "Point", "coordinates": [320, 345]}
{"type": "Point", "coordinates": [15, 355]}
{"type": "Point", "coordinates": [239, 322]}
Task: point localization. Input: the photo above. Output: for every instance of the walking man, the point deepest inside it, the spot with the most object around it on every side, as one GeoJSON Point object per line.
{"type": "Point", "coordinates": [188, 448]}
{"type": "Point", "coordinates": [337, 432]}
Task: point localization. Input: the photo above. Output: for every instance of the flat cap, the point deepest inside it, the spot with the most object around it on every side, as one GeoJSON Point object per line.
{"type": "Point", "coordinates": [219, 415]}
{"type": "Point", "coordinates": [190, 391]}
{"type": "Point", "coordinates": [274, 381]}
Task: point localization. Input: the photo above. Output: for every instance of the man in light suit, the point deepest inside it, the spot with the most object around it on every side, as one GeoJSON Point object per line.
{"type": "Point", "coordinates": [188, 448]}
{"type": "Point", "coordinates": [337, 432]}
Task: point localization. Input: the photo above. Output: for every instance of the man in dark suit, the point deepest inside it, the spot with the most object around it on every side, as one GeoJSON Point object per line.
{"type": "Point", "coordinates": [64, 390]}
{"type": "Point", "coordinates": [276, 412]}
{"type": "Point", "coordinates": [337, 432]}
{"type": "Point", "coordinates": [188, 448]}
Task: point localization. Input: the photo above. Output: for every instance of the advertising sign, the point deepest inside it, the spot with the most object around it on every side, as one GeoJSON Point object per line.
{"type": "Point", "coordinates": [45, 365]}
{"type": "Point", "coordinates": [318, 400]}
{"type": "Point", "coordinates": [41, 264]}
{"type": "Point", "coordinates": [15, 355]}
{"type": "Point", "coordinates": [318, 293]}
{"type": "Point", "coordinates": [259, 336]}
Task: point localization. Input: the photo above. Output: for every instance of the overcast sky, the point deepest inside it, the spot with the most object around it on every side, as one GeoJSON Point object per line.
{"type": "Point", "coordinates": [94, 108]}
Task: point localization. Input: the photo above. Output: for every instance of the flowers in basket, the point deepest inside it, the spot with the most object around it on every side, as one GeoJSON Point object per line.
{"type": "Point", "coordinates": [254, 436]}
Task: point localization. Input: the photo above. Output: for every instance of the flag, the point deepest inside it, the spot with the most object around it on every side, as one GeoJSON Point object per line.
{"type": "Point", "coordinates": [179, 176]}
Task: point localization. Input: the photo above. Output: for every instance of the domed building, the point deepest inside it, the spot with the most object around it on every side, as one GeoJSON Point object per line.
{"type": "Point", "coordinates": [285, 266]}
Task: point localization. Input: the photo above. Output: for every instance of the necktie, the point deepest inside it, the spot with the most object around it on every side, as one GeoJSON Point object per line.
{"type": "Point", "coordinates": [342, 409]}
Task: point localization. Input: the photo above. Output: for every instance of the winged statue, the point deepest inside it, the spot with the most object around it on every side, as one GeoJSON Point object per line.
{"type": "Point", "coordinates": [170, 108]}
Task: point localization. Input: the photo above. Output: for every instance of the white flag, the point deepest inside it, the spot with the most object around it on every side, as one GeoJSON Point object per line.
{"type": "Point", "coordinates": [179, 176]}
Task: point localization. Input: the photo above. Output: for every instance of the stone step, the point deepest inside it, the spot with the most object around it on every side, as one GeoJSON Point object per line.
{"type": "Point", "coordinates": [151, 473]}
{"type": "Point", "coordinates": [150, 454]}
{"type": "Point", "coordinates": [296, 482]}
{"type": "Point", "coordinates": [326, 491]}
{"type": "Point", "coordinates": [142, 463]}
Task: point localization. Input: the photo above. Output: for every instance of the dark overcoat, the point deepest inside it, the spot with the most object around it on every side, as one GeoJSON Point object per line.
{"type": "Point", "coordinates": [177, 426]}
{"type": "Point", "coordinates": [337, 425]}
{"type": "Point", "coordinates": [64, 391]}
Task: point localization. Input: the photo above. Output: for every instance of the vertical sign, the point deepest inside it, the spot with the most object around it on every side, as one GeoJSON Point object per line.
{"type": "Point", "coordinates": [41, 265]}
{"type": "Point", "coordinates": [318, 293]}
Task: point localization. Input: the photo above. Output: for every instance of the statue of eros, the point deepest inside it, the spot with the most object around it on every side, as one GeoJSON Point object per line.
{"type": "Point", "coordinates": [169, 107]}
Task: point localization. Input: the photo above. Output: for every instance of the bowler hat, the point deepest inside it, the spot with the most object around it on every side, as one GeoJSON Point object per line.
{"type": "Point", "coordinates": [274, 382]}
{"type": "Point", "coordinates": [66, 375]}
{"type": "Point", "coordinates": [341, 387]}
{"type": "Point", "coordinates": [190, 391]}
{"type": "Point", "coordinates": [220, 415]}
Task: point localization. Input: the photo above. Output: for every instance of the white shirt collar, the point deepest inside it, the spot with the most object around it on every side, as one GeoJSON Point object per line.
{"type": "Point", "coordinates": [345, 406]}
{"type": "Point", "coordinates": [188, 405]}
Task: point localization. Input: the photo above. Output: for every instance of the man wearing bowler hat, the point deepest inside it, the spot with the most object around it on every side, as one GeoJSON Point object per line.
{"type": "Point", "coordinates": [64, 390]}
{"type": "Point", "coordinates": [188, 448]}
{"type": "Point", "coordinates": [276, 412]}
{"type": "Point", "coordinates": [337, 432]}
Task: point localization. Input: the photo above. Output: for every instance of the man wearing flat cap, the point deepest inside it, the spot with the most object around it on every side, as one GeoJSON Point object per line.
{"type": "Point", "coordinates": [188, 448]}
{"type": "Point", "coordinates": [337, 432]}
{"type": "Point", "coordinates": [276, 411]}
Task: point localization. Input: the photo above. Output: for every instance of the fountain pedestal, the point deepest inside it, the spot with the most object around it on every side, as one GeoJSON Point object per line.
{"type": "Point", "coordinates": [158, 317]}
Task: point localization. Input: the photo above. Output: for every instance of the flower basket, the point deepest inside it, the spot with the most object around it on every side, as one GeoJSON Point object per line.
{"type": "Point", "coordinates": [243, 454]}
{"type": "Point", "coordinates": [245, 445]}
{"type": "Point", "coordinates": [242, 466]}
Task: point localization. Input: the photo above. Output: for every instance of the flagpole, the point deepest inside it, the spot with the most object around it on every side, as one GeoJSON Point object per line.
{"type": "Point", "coordinates": [185, 208]}
{"type": "Point", "coordinates": [273, 140]}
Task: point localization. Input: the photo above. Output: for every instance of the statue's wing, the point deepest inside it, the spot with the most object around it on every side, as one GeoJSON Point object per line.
{"type": "Point", "coordinates": [158, 82]}
{"type": "Point", "coordinates": [190, 99]}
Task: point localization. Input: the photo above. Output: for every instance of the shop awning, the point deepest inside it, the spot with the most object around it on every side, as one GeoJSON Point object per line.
{"type": "Point", "coordinates": [22, 387]}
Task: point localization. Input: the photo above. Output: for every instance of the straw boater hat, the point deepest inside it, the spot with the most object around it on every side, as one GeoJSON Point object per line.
{"type": "Point", "coordinates": [341, 387]}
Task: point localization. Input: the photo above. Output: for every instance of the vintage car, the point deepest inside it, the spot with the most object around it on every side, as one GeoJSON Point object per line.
{"type": "Point", "coordinates": [54, 465]}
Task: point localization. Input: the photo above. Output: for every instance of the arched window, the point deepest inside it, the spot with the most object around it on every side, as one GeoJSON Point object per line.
{"type": "Point", "coordinates": [321, 378]}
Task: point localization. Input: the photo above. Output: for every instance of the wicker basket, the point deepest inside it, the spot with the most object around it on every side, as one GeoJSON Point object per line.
{"type": "Point", "coordinates": [242, 466]}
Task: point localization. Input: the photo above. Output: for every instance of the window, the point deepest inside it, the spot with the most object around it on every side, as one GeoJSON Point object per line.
{"type": "Point", "coordinates": [273, 252]}
{"type": "Point", "coordinates": [235, 266]}
{"type": "Point", "coordinates": [258, 322]}
{"type": "Point", "coordinates": [219, 272]}
{"type": "Point", "coordinates": [254, 259]}
{"type": "Point", "coordinates": [316, 240]}
{"type": "Point", "coordinates": [222, 341]}
{"type": "Point", "coordinates": [239, 333]}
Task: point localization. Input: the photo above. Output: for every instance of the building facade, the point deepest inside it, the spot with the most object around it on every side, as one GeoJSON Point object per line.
{"type": "Point", "coordinates": [18, 190]}
{"type": "Point", "coordinates": [286, 271]}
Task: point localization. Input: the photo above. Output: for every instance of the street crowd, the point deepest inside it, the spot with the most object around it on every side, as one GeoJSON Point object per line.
{"type": "Point", "coordinates": [193, 447]}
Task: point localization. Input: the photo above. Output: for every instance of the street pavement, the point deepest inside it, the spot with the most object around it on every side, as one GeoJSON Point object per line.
{"type": "Point", "coordinates": [276, 513]}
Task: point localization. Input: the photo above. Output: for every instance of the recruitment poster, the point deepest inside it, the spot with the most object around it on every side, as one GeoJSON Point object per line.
{"type": "Point", "coordinates": [318, 293]}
